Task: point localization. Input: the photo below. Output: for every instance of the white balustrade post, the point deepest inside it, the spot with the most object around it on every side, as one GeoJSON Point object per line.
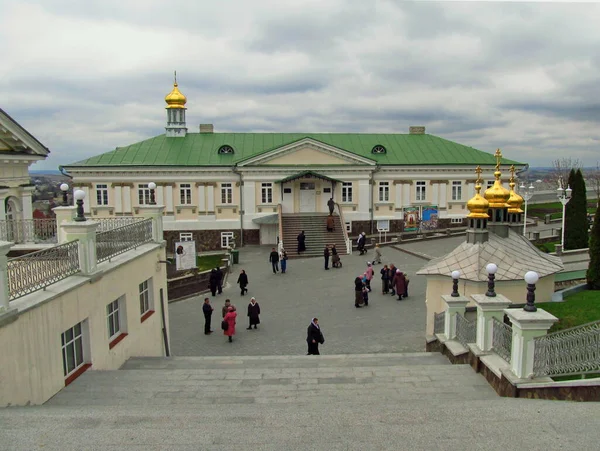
{"type": "Point", "coordinates": [85, 232]}
{"type": "Point", "coordinates": [4, 248]}
{"type": "Point", "coordinates": [487, 309]}
{"type": "Point", "coordinates": [453, 306]}
{"type": "Point", "coordinates": [155, 212]}
{"type": "Point", "coordinates": [63, 214]}
{"type": "Point", "coordinates": [526, 327]}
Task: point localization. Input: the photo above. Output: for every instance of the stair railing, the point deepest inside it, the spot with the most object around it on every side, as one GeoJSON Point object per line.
{"type": "Point", "coordinates": [280, 216]}
{"type": "Point", "coordinates": [343, 224]}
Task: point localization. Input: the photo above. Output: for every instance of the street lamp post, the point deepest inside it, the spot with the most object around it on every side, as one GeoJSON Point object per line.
{"type": "Point", "coordinates": [152, 187]}
{"type": "Point", "coordinates": [491, 269]}
{"type": "Point", "coordinates": [531, 277]}
{"type": "Point", "coordinates": [79, 195]}
{"type": "Point", "coordinates": [564, 195]}
{"type": "Point", "coordinates": [65, 194]}
{"type": "Point", "coordinates": [455, 277]}
{"type": "Point", "coordinates": [526, 194]}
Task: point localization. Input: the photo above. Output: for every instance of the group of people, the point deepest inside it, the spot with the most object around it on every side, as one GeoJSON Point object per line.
{"type": "Point", "coordinates": [333, 253]}
{"type": "Point", "coordinates": [215, 281]}
{"type": "Point", "coordinates": [392, 280]}
{"type": "Point", "coordinates": [229, 315]}
{"type": "Point", "coordinates": [275, 258]}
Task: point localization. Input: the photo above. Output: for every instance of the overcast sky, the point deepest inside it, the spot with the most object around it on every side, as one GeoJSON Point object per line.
{"type": "Point", "coordinates": [87, 76]}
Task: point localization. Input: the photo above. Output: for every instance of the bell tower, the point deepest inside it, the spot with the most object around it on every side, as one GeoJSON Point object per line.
{"type": "Point", "coordinates": [176, 101]}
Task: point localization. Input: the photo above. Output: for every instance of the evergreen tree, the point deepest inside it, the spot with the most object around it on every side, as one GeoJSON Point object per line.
{"type": "Point", "coordinates": [593, 272]}
{"type": "Point", "coordinates": [576, 225]}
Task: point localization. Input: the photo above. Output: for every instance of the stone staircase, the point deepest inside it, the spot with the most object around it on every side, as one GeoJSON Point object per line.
{"type": "Point", "coordinates": [315, 229]}
{"type": "Point", "coordinates": [414, 401]}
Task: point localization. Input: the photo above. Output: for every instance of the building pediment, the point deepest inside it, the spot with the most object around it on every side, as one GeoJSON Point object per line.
{"type": "Point", "coordinates": [307, 151]}
{"type": "Point", "coordinates": [15, 139]}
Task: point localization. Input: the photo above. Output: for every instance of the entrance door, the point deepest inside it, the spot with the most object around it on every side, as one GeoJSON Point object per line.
{"type": "Point", "coordinates": [268, 233]}
{"type": "Point", "coordinates": [307, 197]}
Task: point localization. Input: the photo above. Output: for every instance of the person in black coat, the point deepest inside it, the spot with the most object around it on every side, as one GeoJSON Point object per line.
{"type": "Point", "coordinates": [253, 312]}
{"type": "Point", "coordinates": [385, 279]}
{"type": "Point", "coordinates": [219, 280]}
{"type": "Point", "coordinates": [207, 309]}
{"type": "Point", "coordinates": [326, 256]}
{"type": "Point", "coordinates": [314, 337]}
{"type": "Point", "coordinates": [213, 282]}
{"type": "Point", "coordinates": [358, 286]}
{"type": "Point", "coordinates": [301, 242]}
{"type": "Point", "coordinates": [274, 259]}
{"type": "Point", "coordinates": [243, 281]}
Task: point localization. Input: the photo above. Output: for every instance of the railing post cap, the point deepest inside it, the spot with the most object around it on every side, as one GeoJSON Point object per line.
{"type": "Point", "coordinates": [5, 247]}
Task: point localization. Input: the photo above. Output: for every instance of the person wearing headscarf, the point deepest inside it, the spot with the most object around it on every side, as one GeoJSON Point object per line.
{"type": "Point", "coordinates": [301, 242]}
{"type": "Point", "coordinates": [314, 337]}
{"type": "Point", "coordinates": [253, 313]}
{"type": "Point", "coordinates": [385, 279]}
{"type": "Point", "coordinates": [399, 283]}
{"type": "Point", "coordinates": [230, 319]}
{"type": "Point", "coordinates": [369, 274]}
{"type": "Point", "coordinates": [377, 258]}
{"type": "Point", "coordinates": [358, 286]}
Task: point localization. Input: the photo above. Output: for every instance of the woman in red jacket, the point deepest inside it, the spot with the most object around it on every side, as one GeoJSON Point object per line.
{"type": "Point", "coordinates": [230, 318]}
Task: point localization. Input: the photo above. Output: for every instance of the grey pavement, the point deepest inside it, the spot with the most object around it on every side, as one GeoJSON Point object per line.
{"type": "Point", "coordinates": [289, 301]}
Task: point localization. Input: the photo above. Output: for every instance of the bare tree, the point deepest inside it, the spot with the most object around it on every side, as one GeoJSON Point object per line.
{"type": "Point", "coordinates": [562, 167]}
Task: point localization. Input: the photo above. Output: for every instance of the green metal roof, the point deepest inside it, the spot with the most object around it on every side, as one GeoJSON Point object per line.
{"type": "Point", "coordinates": [201, 149]}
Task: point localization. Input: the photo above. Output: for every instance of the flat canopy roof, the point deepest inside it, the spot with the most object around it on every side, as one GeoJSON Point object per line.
{"type": "Point", "coordinates": [307, 175]}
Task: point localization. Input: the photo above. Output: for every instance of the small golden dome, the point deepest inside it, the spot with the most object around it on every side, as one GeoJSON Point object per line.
{"type": "Point", "coordinates": [478, 206]}
{"type": "Point", "coordinates": [175, 99]}
{"type": "Point", "coordinates": [514, 201]}
{"type": "Point", "coordinates": [497, 195]}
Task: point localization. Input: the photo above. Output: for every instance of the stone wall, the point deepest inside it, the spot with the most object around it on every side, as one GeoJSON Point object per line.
{"type": "Point", "coordinates": [210, 240]}
{"type": "Point", "coordinates": [183, 284]}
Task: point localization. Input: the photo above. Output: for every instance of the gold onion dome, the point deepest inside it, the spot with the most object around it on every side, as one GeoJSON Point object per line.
{"type": "Point", "coordinates": [497, 195]}
{"type": "Point", "coordinates": [514, 201]}
{"type": "Point", "coordinates": [478, 206]}
{"type": "Point", "coordinates": [175, 99]}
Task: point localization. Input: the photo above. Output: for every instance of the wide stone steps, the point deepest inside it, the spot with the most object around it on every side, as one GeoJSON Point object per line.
{"type": "Point", "coordinates": [317, 236]}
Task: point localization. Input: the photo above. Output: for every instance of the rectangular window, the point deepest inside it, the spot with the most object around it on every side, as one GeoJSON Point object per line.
{"type": "Point", "coordinates": [186, 236]}
{"type": "Point", "coordinates": [146, 301]}
{"type": "Point", "coordinates": [185, 193]}
{"type": "Point", "coordinates": [348, 226]}
{"type": "Point", "coordinates": [347, 192]}
{"type": "Point", "coordinates": [72, 349]}
{"type": "Point", "coordinates": [266, 193]}
{"type": "Point", "coordinates": [456, 220]}
{"type": "Point", "coordinates": [456, 190]}
{"type": "Point", "coordinates": [101, 194]}
{"type": "Point", "coordinates": [113, 319]}
{"type": "Point", "coordinates": [226, 193]}
{"type": "Point", "coordinates": [421, 190]}
{"type": "Point", "coordinates": [384, 191]}
{"type": "Point", "coordinates": [143, 195]}
{"type": "Point", "coordinates": [226, 239]}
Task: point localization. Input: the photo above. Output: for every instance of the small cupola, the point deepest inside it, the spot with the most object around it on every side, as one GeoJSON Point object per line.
{"type": "Point", "coordinates": [176, 127]}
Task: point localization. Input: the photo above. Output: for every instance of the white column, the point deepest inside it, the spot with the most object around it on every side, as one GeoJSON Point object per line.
{"type": "Point", "coordinates": [85, 232]}
{"type": "Point", "coordinates": [443, 197]}
{"type": "Point", "coordinates": [4, 248]}
{"type": "Point", "coordinates": [453, 306]}
{"type": "Point", "coordinates": [2, 208]}
{"type": "Point", "coordinates": [160, 195]}
{"type": "Point", "coordinates": [210, 199]}
{"type": "Point", "coordinates": [127, 199]}
{"type": "Point", "coordinates": [435, 190]}
{"type": "Point", "coordinates": [399, 201]}
{"type": "Point", "coordinates": [201, 199]}
{"type": "Point", "coordinates": [86, 205]}
{"type": "Point", "coordinates": [406, 195]}
{"type": "Point", "coordinates": [364, 192]}
{"type": "Point", "coordinates": [154, 212]}
{"type": "Point", "coordinates": [118, 193]}
{"type": "Point", "coordinates": [63, 214]}
{"type": "Point", "coordinates": [487, 309]}
{"type": "Point", "coordinates": [249, 193]}
{"type": "Point", "coordinates": [169, 198]}
{"type": "Point", "coordinates": [526, 327]}
{"type": "Point", "coordinates": [27, 203]}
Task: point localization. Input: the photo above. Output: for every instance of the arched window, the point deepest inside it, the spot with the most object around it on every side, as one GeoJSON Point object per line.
{"type": "Point", "coordinates": [378, 149]}
{"type": "Point", "coordinates": [225, 150]}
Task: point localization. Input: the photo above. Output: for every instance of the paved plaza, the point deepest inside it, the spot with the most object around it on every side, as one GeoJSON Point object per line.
{"type": "Point", "coordinates": [289, 301]}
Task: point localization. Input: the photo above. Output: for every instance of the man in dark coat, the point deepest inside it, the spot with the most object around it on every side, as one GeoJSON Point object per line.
{"type": "Point", "coordinates": [225, 308]}
{"type": "Point", "coordinates": [219, 280]}
{"type": "Point", "coordinates": [326, 255]}
{"type": "Point", "coordinates": [213, 282]}
{"type": "Point", "coordinates": [331, 205]}
{"type": "Point", "coordinates": [274, 259]}
{"type": "Point", "coordinates": [301, 245]}
{"type": "Point", "coordinates": [314, 337]}
{"type": "Point", "coordinates": [207, 309]}
{"type": "Point", "coordinates": [253, 312]}
{"type": "Point", "coordinates": [243, 281]}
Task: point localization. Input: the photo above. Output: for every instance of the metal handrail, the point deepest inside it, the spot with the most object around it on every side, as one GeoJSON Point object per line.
{"type": "Point", "coordinates": [343, 225]}
{"type": "Point", "coordinates": [116, 241]}
{"type": "Point", "coordinates": [501, 339]}
{"type": "Point", "coordinates": [466, 331]}
{"type": "Point", "coordinates": [439, 320]}
{"type": "Point", "coordinates": [280, 219]}
{"type": "Point", "coordinates": [19, 231]}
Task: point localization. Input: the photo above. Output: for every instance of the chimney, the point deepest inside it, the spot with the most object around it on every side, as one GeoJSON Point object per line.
{"type": "Point", "coordinates": [206, 128]}
{"type": "Point", "coordinates": [416, 130]}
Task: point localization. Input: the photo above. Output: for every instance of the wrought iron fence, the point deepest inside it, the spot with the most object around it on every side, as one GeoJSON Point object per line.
{"type": "Point", "coordinates": [439, 320]}
{"type": "Point", "coordinates": [501, 339]}
{"type": "Point", "coordinates": [116, 241]}
{"type": "Point", "coordinates": [569, 351]}
{"type": "Point", "coordinates": [21, 231]}
{"type": "Point", "coordinates": [106, 224]}
{"type": "Point", "coordinates": [466, 331]}
{"type": "Point", "coordinates": [37, 270]}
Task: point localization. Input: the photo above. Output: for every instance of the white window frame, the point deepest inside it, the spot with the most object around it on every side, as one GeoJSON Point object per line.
{"type": "Point", "coordinates": [146, 296]}
{"type": "Point", "coordinates": [186, 236]}
{"type": "Point", "coordinates": [102, 194]}
{"type": "Point", "coordinates": [420, 190]}
{"type": "Point", "coordinates": [76, 345]}
{"type": "Point", "coordinates": [115, 317]}
{"type": "Point", "coordinates": [384, 191]}
{"type": "Point", "coordinates": [456, 190]}
{"type": "Point", "coordinates": [347, 192]}
{"type": "Point", "coordinates": [348, 225]}
{"type": "Point", "coordinates": [226, 193]}
{"type": "Point", "coordinates": [266, 193]}
{"type": "Point", "coordinates": [226, 239]}
{"type": "Point", "coordinates": [143, 194]}
{"type": "Point", "coordinates": [456, 220]}
{"type": "Point", "coordinates": [185, 193]}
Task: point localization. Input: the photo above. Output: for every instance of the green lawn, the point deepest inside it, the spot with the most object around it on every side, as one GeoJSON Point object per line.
{"type": "Point", "coordinates": [579, 308]}
{"type": "Point", "coordinates": [548, 247]}
{"type": "Point", "coordinates": [554, 209]}
{"type": "Point", "coordinates": [206, 262]}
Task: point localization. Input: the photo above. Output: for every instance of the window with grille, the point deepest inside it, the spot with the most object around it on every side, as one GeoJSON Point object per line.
{"type": "Point", "coordinates": [421, 192]}
{"type": "Point", "coordinates": [378, 149]}
{"type": "Point", "coordinates": [143, 194]}
{"type": "Point", "coordinates": [226, 150]}
{"type": "Point", "coordinates": [226, 193]}
{"type": "Point", "coordinates": [73, 348]}
{"type": "Point", "coordinates": [266, 193]}
{"type": "Point", "coordinates": [456, 190]}
{"type": "Point", "coordinates": [185, 193]}
{"type": "Point", "coordinates": [102, 194]}
{"type": "Point", "coordinates": [384, 191]}
{"type": "Point", "coordinates": [347, 192]}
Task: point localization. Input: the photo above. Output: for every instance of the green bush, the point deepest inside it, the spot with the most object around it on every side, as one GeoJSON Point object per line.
{"type": "Point", "coordinates": [576, 225]}
{"type": "Point", "coordinates": [593, 271]}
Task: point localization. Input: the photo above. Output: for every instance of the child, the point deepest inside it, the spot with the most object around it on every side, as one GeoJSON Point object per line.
{"type": "Point", "coordinates": [365, 296]}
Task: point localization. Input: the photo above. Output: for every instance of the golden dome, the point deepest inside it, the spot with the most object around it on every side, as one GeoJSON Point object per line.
{"type": "Point", "coordinates": [478, 206]}
{"type": "Point", "coordinates": [497, 195]}
{"type": "Point", "coordinates": [514, 201]}
{"type": "Point", "coordinates": [175, 99]}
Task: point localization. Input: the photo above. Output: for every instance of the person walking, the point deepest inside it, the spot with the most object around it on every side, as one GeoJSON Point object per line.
{"type": "Point", "coordinates": [331, 205]}
{"type": "Point", "coordinates": [314, 337]}
{"type": "Point", "coordinates": [283, 260]}
{"type": "Point", "coordinates": [230, 320]}
{"type": "Point", "coordinates": [220, 277]}
{"type": "Point", "coordinates": [385, 279]}
{"type": "Point", "coordinates": [253, 314]}
{"type": "Point", "coordinates": [225, 308]}
{"type": "Point", "coordinates": [274, 259]}
{"type": "Point", "coordinates": [243, 282]}
{"type": "Point", "coordinates": [399, 284]}
{"type": "Point", "coordinates": [365, 296]}
{"type": "Point", "coordinates": [392, 273]}
{"type": "Point", "coordinates": [358, 286]}
{"type": "Point", "coordinates": [377, 258]}
{"type": "Point", "coordinates": [369, 274]}
{"type": "Point", "coordinates": [207, 309]}
{"type": "Point", "coordinates": [330, 223]}
{"type": "Point", "coordinates": [326, 256]}
{"type": "Point", "coordinates": [335, 258]}
{"type": "Point", "coordinates": [213, 282]}
{"type": "Point", "coordinates": [301, 242]}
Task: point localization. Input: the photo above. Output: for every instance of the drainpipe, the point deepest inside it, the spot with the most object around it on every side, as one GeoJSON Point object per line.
{"type": "Point", "coordinates": [372, 183]}
{"type": "Point", "coordinates": [235, 169]}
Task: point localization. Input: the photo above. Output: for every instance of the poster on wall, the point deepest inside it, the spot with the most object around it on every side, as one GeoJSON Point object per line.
{"type": "Point", "coordinates": [185, 255]}
{"type": "Point", "coordinates": [411, 219]}
{"type": "Point", "coordinates": [429, 217]}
